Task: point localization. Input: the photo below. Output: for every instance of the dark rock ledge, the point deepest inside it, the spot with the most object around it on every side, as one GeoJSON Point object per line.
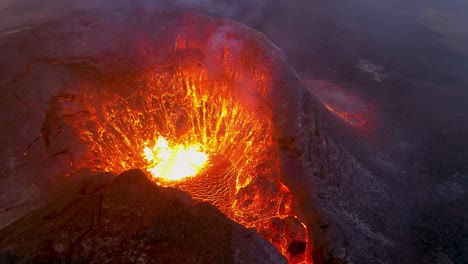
{"type": "Point", "coordinates": [129, 219]}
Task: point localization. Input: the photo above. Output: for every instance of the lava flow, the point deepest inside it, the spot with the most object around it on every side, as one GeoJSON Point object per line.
{"type": "Point", "coordinates": [201, 124]}
{"type": "Point", "coordinates": [174, 163]}
{"type": "Point", "coordinates": [343, 103]}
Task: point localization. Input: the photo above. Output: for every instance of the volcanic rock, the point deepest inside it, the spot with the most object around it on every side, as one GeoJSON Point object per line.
{"type": "Point", "coordinates": [129, 219]}
{"type": "Point", "coordinates": [348, 210]}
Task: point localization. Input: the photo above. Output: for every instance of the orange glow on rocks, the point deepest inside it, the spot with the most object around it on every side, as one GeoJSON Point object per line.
{"type": "Point", "coordinates": [350, 118]}
{"type": "Point", "coordinates": [199, 122]}
{"type": "Point", "coordinates": [343, 103]}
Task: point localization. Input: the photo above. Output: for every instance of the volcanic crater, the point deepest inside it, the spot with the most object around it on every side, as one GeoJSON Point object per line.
{"type": "Point", "coordinates": [101, 93]}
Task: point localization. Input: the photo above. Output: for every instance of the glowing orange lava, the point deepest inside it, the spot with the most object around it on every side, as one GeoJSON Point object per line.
{"type": "Point", "coordinates": [350, 118]}
{"type": "Point", "coordinates": [199, 123]}
{"type": "Point", "coordinates": [344, 103]}
{"type": "Point", "coordinates": [174, 163]}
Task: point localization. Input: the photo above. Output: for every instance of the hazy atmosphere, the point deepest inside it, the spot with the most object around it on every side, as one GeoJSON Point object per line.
{"type": "Point", "coordinates": [394, 77]}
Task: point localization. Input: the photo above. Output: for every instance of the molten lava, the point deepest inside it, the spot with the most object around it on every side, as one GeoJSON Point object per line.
{"type": "Point", "coordinates": [350, 118]}
{"type": "Point", "coordinates": [343, 103]}
{"type": "Point", "coordinates": [201, 123]}
{"type": "Point", "coordinates": [174, 163]}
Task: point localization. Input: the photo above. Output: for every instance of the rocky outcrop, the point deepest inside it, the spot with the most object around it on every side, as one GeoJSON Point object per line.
{"type": "Point", "coordinates": [129, 219]}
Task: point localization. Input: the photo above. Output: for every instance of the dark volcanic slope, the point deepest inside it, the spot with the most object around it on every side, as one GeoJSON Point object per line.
{"type": "Point", "coordinates": [129, 219]}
